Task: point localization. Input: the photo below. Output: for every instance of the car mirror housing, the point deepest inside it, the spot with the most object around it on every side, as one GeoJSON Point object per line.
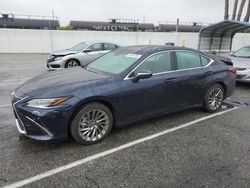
{"type": "Point", "coordinates": [87, 50]}
{"type": "Point", "coordinates": [143, 75]}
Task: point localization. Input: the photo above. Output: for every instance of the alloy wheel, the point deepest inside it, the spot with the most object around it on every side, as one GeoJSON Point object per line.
{"type": "Point", "coordinates": [71, 63]}
{"type": "Point", "coordinates": [215, 98]}
{"type": "Point", "coordinates": [93, 125]}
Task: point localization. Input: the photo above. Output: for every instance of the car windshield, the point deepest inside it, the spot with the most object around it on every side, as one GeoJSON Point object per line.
{"type": "Point", "coordinates": [243, 52]}
{"type": "Point", "coordinates": [79, 47]}
{"type": "Point", "coordinates": [114, 62]}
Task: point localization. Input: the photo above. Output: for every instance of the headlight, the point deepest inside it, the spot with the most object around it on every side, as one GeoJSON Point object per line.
{"type": "Point", "coordinates": [46, 103]}
{"type": "Point", "coordinates": [58, 58]}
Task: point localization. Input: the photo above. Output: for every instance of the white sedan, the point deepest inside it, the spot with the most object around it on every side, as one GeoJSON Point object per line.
{"type": "Point", "coordinates": [241, 60]}
{"type": "Point", "coordinates": [79, 55]}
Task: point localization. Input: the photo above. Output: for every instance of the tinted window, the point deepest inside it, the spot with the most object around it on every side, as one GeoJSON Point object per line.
{"type": "Point", "coordinates": [156, 64]}
{"type": "Point", "coordinates": [204, 61]}
{"type": "Point", "coordinates": [96, 47]}
{"type": "Point", "coordinates": [114, 62]}
{"type": "Point", "coordinates": [79, 47]}
{"type": "Point", "coordinates": [108, 46]}
{"type": "Point", "coordinates": [243, 52]}
{"type": "Point", "coordinates": [188, 60]}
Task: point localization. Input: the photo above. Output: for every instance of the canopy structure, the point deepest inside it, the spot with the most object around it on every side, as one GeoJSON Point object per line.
{"type": "Point", "coordinates": [218, 37]}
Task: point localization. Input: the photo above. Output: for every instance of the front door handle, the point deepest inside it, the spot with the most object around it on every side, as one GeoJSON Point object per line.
{"type": "Point", "coordinates": [170, 80]}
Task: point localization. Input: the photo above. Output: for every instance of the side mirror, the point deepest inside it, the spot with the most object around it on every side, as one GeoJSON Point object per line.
{"type": "Point", "coordinates": [87, 50]}
{"type": "Point", "coordinates": [144, 74]}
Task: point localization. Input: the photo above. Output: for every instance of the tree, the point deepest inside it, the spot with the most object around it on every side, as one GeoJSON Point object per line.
{"type": "Point", "coordinates": [226, 10]}
{"type": "Point", "coordinates": [242, 4]}
{"type": "Point", "coordinates": [68, 27]}
{"type": "Point", "coordinates": [235, 9]}
{"type": "Point", "coordinates": [246, 19]}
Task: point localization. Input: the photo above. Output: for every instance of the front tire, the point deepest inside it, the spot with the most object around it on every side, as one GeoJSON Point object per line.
{"type": "Point", "coordinates": [91, 124]}
{"type": "Point", "coordinates": [214, 98]}
{"type": "Point", "coordinates": [72, 63]}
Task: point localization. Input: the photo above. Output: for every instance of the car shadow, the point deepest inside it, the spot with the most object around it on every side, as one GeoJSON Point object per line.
{"type": "Point", "coordinates": [128, 133]}
{"type": "Point", "coordinates": [243, 85]}
{"type": "Point", "coordinates": [53, 155]}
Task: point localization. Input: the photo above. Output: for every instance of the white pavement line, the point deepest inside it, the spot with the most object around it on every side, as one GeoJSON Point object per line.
{"type": "Point", "coordinates": [4, 105]}
{"type": "Point", "coordinates": [108, 152]}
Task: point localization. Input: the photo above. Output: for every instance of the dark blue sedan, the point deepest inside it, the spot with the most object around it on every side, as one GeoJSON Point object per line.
{"type": "Point", "coordinates": [121, 87]}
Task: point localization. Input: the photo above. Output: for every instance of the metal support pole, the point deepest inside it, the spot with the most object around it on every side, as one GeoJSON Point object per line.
{"type": "Point", "coordinates": [177, 25]}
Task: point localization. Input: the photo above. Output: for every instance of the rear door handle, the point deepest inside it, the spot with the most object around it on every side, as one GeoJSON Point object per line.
{"type": "Point", "coordinates": [170, 80]}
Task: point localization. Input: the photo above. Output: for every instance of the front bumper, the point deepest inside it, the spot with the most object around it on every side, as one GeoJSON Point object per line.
{"type": "Point", "coordinates": [243, 75]}
{"type": "Point", "coordinates": [43, 124]}
{"type": "Point", "coordinates": [53, 65]}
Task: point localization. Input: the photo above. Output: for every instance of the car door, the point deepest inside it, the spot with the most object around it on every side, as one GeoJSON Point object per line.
{"type": "Point", "coordinates": [193, 76]}
{"type": "Point", "coordinates": [109, 47]}
{"type": "Point", "coordinates": [151, 96]}
{"type": "Point", "coordinates": [96, 48]}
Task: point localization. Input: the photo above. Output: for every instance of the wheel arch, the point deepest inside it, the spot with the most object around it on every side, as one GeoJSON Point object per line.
{"type": "Point", "coordinates": [92, 100]}
{"type": "Point", "coordinates": [220, 83]}
{"type": "Point", "coordinates": [73, 58]}
{"type": "Point", "coordinates": [224, 87]}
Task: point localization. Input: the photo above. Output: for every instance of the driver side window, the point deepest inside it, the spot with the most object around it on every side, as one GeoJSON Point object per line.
{"type": "Point", "coordinates": [157, 63]}
{"type": "Point", "coordinates": [96, 47]}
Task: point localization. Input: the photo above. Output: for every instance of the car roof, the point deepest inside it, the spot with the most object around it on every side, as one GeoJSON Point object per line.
{"type": "Point", "coordinates": [98, 41]}
{"type": "Point", "coordinates": [150, 49]}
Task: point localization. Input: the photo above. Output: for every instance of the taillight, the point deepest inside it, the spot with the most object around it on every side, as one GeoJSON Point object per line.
{"type": "Point", "coordinates": [233, 70]}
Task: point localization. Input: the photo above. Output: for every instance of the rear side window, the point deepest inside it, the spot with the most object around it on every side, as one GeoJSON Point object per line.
{"type": "Point", "coordinates": [204, 61]}
{"type": "Point", "coordinates": [108, 46]}
{"type": "Point", "coordinates": [188, 60]}
{"type": "Point", "coordinates": [156, 64]}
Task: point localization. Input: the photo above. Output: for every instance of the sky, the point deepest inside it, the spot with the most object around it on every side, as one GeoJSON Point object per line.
{"type": "Point", "coordinates": [206, 11]}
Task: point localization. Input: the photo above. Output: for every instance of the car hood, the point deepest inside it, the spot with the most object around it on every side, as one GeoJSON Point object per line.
{"type": "Point", "coordinates": [63, 52]}
{"type": "Point", "coordinates": [58, 83]}
{"type": "Point", "coordinates": [240, 62]}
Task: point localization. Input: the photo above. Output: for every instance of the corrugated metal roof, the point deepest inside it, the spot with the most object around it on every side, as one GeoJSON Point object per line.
{"type": "Point", "coordinates": [218, 37]}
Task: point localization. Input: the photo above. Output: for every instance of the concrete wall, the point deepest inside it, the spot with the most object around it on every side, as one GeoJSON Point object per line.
{"type": "Point", "coordinates": [45, 41]}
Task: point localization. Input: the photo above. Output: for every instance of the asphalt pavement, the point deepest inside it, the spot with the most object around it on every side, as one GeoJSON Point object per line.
{"type": "Point", "coordinates": [188, 149]}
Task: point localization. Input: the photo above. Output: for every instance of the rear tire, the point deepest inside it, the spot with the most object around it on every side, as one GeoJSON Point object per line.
{"type": "Point", "coordinates": [91, 124]}
{"type": "Point", "coordinates": [72, 63]}
{"type": "Point", "coordinates": [214, 98]}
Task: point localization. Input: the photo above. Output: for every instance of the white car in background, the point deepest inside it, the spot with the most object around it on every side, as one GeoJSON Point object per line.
{"type": "Point", "coordinates": [79, 55]}
{"type": "Point", "coordinates": [241, 60]}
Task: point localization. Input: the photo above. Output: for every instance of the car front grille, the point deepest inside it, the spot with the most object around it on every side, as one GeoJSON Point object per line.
{"type": "Point", "coordinates": [241, 69]}
{"type": "Point", "coordinates": [20, 126]}
{"type": "Point", "coordinates": [19, 123]}
{"type": "Point", "coordinates": [239, 77]}
{"type": "Point", "coordinates": [55, 66]}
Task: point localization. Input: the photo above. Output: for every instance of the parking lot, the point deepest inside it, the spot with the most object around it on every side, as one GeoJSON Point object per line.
{"type": "Point", "coordinates": [191, 148]}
